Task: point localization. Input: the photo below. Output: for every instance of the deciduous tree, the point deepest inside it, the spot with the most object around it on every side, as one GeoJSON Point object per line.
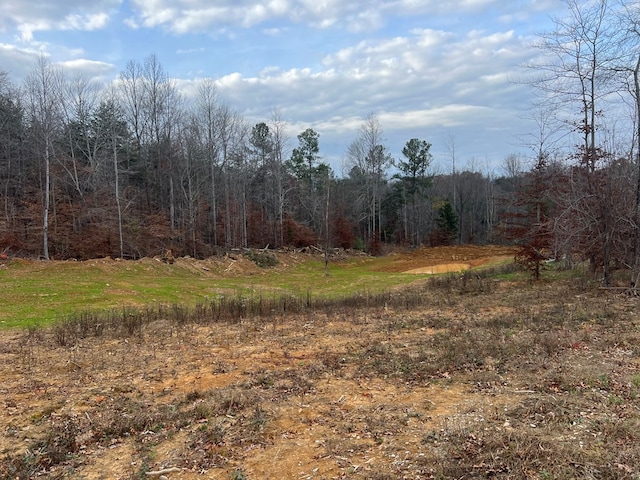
{"type": "Point", "coordinates": [369, 162]}
{"type": "Point", "coordinates": [578, 81]}
{"type": "Point", "coordinates": [528, 223]}
{"type": "Point", "coordinates": [43, 90]}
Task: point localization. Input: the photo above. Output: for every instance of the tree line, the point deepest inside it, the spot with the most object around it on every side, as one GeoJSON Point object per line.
{"type": "Point", "coordinates": [134, 168]}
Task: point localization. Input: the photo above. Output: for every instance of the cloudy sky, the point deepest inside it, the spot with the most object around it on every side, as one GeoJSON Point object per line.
{"type": "Point", "coordinates": [437, 70]}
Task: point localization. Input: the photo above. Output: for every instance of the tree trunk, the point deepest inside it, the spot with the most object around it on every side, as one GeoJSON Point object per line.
{"type": "Point", "coordinates": [326, 231]}
{"type": "Point", "coordinates": [117, 194]}
{"type": "Point", "coordinates": [214, 213]}
{"type": "Point", "coordinates": [172, 206]}
{"type": "Point", "coordinates": [47, 196]}
{"type": "Point", "coordinates": [635, 270]}
{"type": "Point", "coordinates": [227, 211]}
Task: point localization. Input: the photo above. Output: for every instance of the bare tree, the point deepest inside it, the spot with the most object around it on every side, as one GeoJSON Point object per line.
{"type": "Point", "coordinates": [81, 162]}
{"type": "Point", "coordinates": [630, 68]}
{"type": "Point", "coordinates": [279, 140]}
{"type": "Point", "coordinates": [450, 143]}
{"type": "Point", "coordinates": [369, 162]}
{"type": "Point", "coordinates": [113, 137]}
{"type": "Point", "coordinates": [131, 82]}
{"type": "Point", "coordinates": [635, 268]}
{"type": "Point", "coordinates": [11, 155]}
{"type": "Point", "coordinates": [193, 175]}
{"type": "Point", "coordinates": [43, 102]}
{"type": "Point", "coordinates": [578, 79]}
{"type": "Point", "coordinates": [513, 165]}
{"type": "Point", "coordinates": [232, 135]}
{"type": "Point", "coordinates": [206, 113]}
{"type": "Point", "coordinates": [163, 109]}
{"type": "Point", "coordinates": [582, 50]}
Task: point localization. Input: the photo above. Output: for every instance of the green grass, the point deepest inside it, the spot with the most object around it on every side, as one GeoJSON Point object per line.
{"type": "Point", "coordinates": [39, 293]}
{"type": "Point", "coordinates": [345, 278]}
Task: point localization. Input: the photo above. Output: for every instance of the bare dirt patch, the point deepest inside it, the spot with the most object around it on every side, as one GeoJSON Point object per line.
{"type": "Point", "coordinates": [441, 260]}
{"type": "Point", "coordinates": [446, 259]}
{"type": "Point", "coordinates": [310, 413]}
{"type": "Point", "coordinates": [441, 268]}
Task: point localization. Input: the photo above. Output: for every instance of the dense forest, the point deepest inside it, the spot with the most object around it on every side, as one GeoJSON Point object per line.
{"type": "Point", "coordinates": [134, 168]}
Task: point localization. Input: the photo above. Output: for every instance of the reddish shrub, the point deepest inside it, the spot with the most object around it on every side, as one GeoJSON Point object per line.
{"type": "Point", "coordinates": [298, 235]}
{"type": "Point", "coordinates": [343, 232]}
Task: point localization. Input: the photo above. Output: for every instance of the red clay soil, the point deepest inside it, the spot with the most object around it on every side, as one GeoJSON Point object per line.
{"type": "Point", "coordinates": [459, 257]}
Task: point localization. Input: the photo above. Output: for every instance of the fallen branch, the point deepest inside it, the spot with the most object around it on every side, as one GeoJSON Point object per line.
{"type": "Point", "coordinates": [157, 473]}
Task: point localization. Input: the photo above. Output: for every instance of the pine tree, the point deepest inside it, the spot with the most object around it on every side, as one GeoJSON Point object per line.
{"type": "Point", "coordinates": [447, 223]}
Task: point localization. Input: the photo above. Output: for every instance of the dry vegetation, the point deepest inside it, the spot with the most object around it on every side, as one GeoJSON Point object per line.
{"type": "Point", "coordinates": [460, 376]}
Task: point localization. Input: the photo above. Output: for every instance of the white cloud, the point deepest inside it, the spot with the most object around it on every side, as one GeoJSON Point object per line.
{"type": "Point", "coordinates": [16, 61]}
{"type": "Point", "coordinates": [85, 22]}
{"type": "Point", "coordinates": [186, 51]}
{"type": "Point", "coordinates": [91, 69]}
{"type": "Point", "coordinates": [27, 18]}
{"type": "Point", "coordinates": [274, 32]}
{"type": "Point", "coordinates": [323, 63]}
{"type": "Point", "coordinates": [132, 23]}
{"type": "Point", "coordinates": [422, 84]}
{"type": "Point", "coordinates": [452, 115]}
{"type": "Point", "coordinates": [390, 74]}
{"type": "Point", "coordinates": [198, 16]}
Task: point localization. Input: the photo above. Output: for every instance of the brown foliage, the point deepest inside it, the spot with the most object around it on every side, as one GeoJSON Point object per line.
{"type": "Point", "coordinates": [298, 235]}
{"type": "Point", "coordinates": [343, 232]}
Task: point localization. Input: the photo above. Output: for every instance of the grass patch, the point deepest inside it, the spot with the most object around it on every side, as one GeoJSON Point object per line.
{"type": "Point", "coordinates": [40, 293]}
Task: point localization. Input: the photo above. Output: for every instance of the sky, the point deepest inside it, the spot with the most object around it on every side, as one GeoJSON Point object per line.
{"type": "Point", "coordinates": [445, 71]}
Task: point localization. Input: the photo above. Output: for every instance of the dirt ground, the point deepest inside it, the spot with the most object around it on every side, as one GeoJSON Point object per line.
{"type": "Point", "coordinates": [446, 259]}
{"type": "Point", "coordinates": [48, 385]}
{"type": "Point", "coordinates": [287, 399]}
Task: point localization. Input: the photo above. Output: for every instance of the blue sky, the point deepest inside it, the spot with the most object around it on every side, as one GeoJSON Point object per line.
{"type": "Point", "coordinates": [437, 70]}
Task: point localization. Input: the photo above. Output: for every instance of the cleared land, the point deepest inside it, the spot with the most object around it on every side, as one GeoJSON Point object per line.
{"type": "Point", "coordinates": [485, 377]}
{"type": "Point", "coordinates": [38, 293]}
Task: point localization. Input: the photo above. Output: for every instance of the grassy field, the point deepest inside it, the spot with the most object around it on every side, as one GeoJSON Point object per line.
{"type": "Point", "coordinates": [476, 375]}
{"type": "Point", "coordinates": [39, 293]}
{"type": "Point", "coordinates": [36, 293]}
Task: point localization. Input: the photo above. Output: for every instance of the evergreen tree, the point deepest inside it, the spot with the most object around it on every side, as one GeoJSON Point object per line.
{"type": "Point", "coordinates": [447, 223]}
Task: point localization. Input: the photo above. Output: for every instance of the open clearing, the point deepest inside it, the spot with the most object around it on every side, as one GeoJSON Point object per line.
{"type": "Point", "coordinates": [39, 293]}
{"type": "Point", "coordinates": [486, 378]}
